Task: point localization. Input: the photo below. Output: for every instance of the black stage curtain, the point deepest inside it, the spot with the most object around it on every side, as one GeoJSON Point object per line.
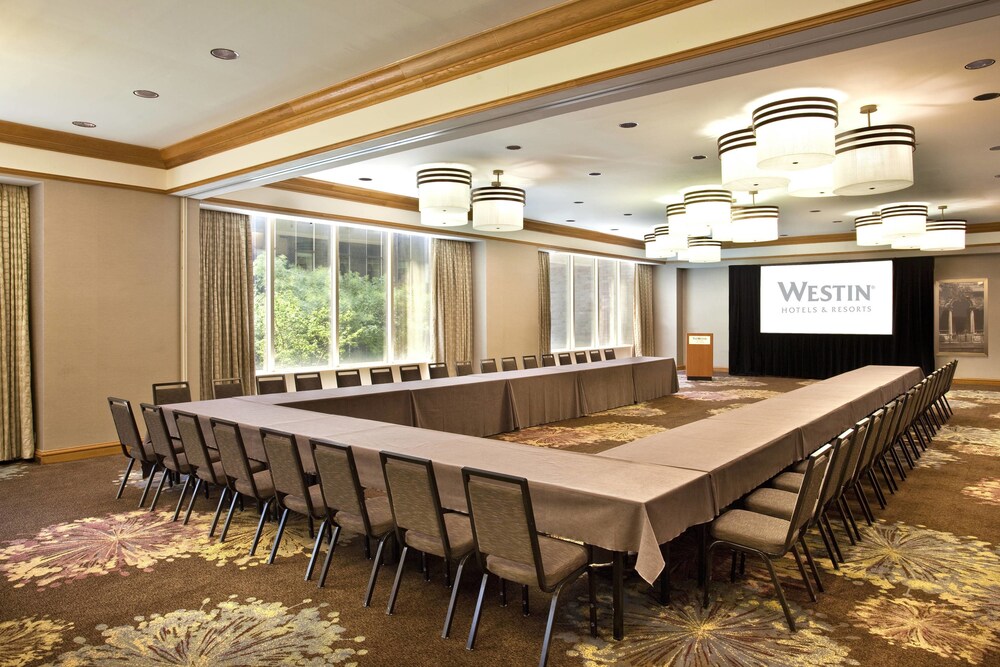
{"type": "Point", "coordinates": [821, 356]}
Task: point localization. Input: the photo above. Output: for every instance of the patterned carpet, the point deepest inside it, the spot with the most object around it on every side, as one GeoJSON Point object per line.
{"type": "Point", "coordinates": [87, 580]}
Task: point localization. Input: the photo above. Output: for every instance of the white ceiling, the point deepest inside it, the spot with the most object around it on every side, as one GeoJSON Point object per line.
{"type": "Point", "coordinates": [66, 60]}
{"type": "Point", "coordinates": [919, 80]}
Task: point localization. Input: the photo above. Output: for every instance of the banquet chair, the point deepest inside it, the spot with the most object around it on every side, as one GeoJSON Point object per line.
{"type": "Point", "coordinates": [510, 547]}
{"type": "Point", "coordinates": [422, 524]}
{"type": "Point", "coordinates": [609, 354]}
{"type": "Point", "coordinates": [227, 388]}
{"type": "Point", "coordinates": [271, 384]}
{"type": "Point", "coordinates": [548, 360]}
{"type": "Point", "coordinates": [508, 363]}
{"type": "Point", "coordinates": [488, 366]}
{"type": "Point", "coordinates": [770, 537]}
{"type": "Point", "coordinates": [348, 378]}
{"type": "Point", "coordinates": [170, 460]}
{"type": "Point", "coordinates": [243, 479]}
{"type": "Point", "coordinates": [437, 371]}
{"type": "Point", "coordinates": [381, 375]}
{"type": "Point", "coordinates": [529, 361]}
{"type": "Point", "coordinates": [565, 359]}
{"type": "Point", "coordinates": [346, 507]}
{"type": "Point", "coordinates": [292, 492]}
{"type": "Point", "coordinates": [581, 357]}
{"type": "Point", "coordinates": [410, 373]}
{"type": "Point", "coordinates": [132, 444]}
{"type": "Point", "coordinates": [463, 368]}
{"type": "Point", "coordinates": [207, 466]}
{"type": "Point", "coordinates": [308, 381]}
{"type": "Point", "coordinates": [595, 355]}
{"type": "Point", "coordinates": [165, 393]}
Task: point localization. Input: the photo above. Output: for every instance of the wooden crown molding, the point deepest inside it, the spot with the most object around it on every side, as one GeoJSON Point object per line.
{"type": "Point", "coordinates": [68, 142]}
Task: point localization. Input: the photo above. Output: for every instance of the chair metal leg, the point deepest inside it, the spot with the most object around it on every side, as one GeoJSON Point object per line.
{"type": "Point", "coordinates": [218, 510]}
{"type": "Point", "coordinates": [194, 494]}
{"type": "Point", "coordinates": [329, 557]}
{"type": "Point", "coordinates": [277, 536]}
{"type": "Point", "coordinates": [454, 594]}
{"type": "Point", "coordinates": [827, 545]}
{"type": "Point", "coordinates": [159, 488]}
{"type": "Point", "coordinates": [802, 573]}
{"type": "Point", "coordinates": [866, 508]}
{"type": "Point", "coordinates": [128, 471]}
{"type": "Point", "coordinates": [229, 517]}
{"type": "Point", "coordinates": [847, 526]}
{"type": "Point", "coordinates": [180, 501]}
{"type": "Point", "coordinates": [812, 563]}
{"type": "Point", "coordinates": [395, 584]}
{"type": "Point", "coordinates": [780, 593]}
{"type": "Point", "coordinates": [548, 625]}
{"type": "Point", "coordinates": [850, 517]}
{"type": "Point", "coordinates": [376, 565]}
{"type": "Point", "coordinates": [471, 643]}
{"type": "Point", "coordinates": [260, 526]}
{"type": "Point", "coordinates": [315, 552]}
{"type": "Point", "coordinates": [149, 481]}
{"type": "Point", "coordinates": [833, 537]}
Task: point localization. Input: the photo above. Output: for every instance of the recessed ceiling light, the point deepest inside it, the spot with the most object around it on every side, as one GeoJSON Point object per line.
{"type": "Point", "coordinates": [626, 214]}
{"type": "Point", "coordinates": [986, 97]}
{"type": "Point", "coordinates": [697, 157]}
{"type": "Point", "coordinates": [84, 123]}
{"type": "Point", "coordinates": [513, 147]}
{"type": "Point", "coordinates": [995, 148]}
{"type": "Point", "coordinates": [614, 229]}
{"type": "Point", "coordinates": [224, 54]}
{"type": "Point", "coordinates": [782, 235]}
{"type": "Point", "coordinates": [979, 64]}
{"type": "Point", "coordinates": [815, 210]}
{"type": "Point", "coordinates": [578, 202]}
{"type": "Point", "coordinates": [595, 173]}
{"type": "Point", "coordinates": [145, 94]}
{"type": "Point", "coordinates": [571, 221]}
{"type": "Point", "coordinates": [837, 221]}
{"type": "Point", "coordinates": [628, 126]}
{"type": "Point", "coordinates": [364, 178]}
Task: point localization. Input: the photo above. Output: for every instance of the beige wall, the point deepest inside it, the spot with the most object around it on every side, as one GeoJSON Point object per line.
{"type": "Point", "coordinates": [666, 314]}
{"type": "Point", "coordinates": [505, 279]}
{"type": "Point", "coordinates": [951, 267]}
{"type": "Point", "coordinates": [705, 306]}
{"type": "Point", "coordinates": [105, 305]}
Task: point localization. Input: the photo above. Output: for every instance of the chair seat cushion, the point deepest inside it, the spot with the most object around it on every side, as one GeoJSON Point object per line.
{"type": "Point", "coordinates": [459, 537]}
{"type": "Point", "coordinates": [206, 474]}
{"type": "Point", "coordinates": [750, 529]}
{"type": "Point", "coordinates": [788, 481]}
{"type": "Point", "coordinates": [772, 502]}
{"type": "Point", "coordinates": [800, 467]}
{"type": "Point", "coordinates": [559, 560]}
{"type": "Point", "coordinates": [181, 466]}
{"type": "Point", "coordinates": [265, 486]}
{"type": "Point", "coordinates": [379, 517]}
{"type": "Point", "coordinates": [298, 503]}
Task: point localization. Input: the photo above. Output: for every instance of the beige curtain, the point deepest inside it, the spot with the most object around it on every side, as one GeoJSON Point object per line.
{"type": "Point", "coordinates": [544, 305]}
{"type": "Point", "coordinates": [17, 437]}
{"type": "Point", "coordinates": [452, 280]}
{"type": "Point", "coordinates": [226, 300]}
{"type": "Point", "coordinates": [642, 311]}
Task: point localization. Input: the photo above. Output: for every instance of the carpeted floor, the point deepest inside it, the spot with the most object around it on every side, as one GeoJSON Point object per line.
{"type": "Point", "coordinates": [88, 580]}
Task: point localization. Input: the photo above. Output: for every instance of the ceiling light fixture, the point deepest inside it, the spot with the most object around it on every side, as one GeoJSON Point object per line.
{"type": "Point", "coordinates": [680, 224]}
{"type": "Point", "coordinates": [815, 182]}
{"type": "Point", "coordinates": [709, 207]}
{"type": "Point", "coordinates": [986, 97]}
{"type": "Point", "coordinates": [795, 133]}
{"type": "Point", "coordinates": [904, 219]}
{"type": "Point", "coordinates": [594, 173]}
{"type": "Point", "coordinates": [224, 54]}
{"type": "Point", "coordinates": [668, 237]}
{"type": "Point", "coordinates": [980, 64]}
{"type": "Point", "coordinates": [663, 247]}
{"type": "Point", "coordinates": [754, 224]}
{"type": "Point", "coordinates": [628, 126]}
{"type": "Point", "coordinates": [868, 230]}
{"type": "Point", "coordinates": [943, 234]}
{"type": "Point", "coordinates": [874, 159]}
{"type": "Point", "coordinates": [444, 194]}
{"type": "Point", "coordinates": [85, 123]}
{"type": "Point", "coordinates": [697, 157]}
{"type": "Point", "coordinates": [498, 208]}
{"type": "Point", "coordinates": [738, 157]}
{"type": "Point", "coordinates": [513, 147]}
{"type": "Point", "coordinates": [146, 94]}
{"type": "Point", "coordinates": [364, 178]}
{"type": "Point", "coordinates": [702, 250]}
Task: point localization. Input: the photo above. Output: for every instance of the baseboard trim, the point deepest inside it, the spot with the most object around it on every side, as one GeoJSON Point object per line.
{"type": "Point", "coordinates": [985, 381]}
{"type": "Point", "coordinates": [78, 453]}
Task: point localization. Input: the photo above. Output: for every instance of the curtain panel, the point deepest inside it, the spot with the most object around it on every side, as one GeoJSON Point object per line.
{"type": "Point", "coordinates": [17, 436]}
{"type": "Point", "coordinates": [642, 311]}
{"type": "Point", "coordinates": [452, 293]}
{"type": "Point", "coordinates": [821, 356]}
{"type": "Point", "coordinates": [227, 335]}
{"type": "Point", "coordinates": [544, 305]}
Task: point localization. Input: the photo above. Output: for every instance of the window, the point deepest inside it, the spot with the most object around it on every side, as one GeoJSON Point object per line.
{"type": "Point", "coordinates": [328, 295]}
{"type": "Point", "coordinates": [591, 301]}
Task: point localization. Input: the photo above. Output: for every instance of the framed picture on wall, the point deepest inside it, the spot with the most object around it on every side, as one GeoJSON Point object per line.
{"type": "Point", "coordinates": [960, 317]}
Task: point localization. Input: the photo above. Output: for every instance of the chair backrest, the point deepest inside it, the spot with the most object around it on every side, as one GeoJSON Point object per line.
{"type": "Point", "coordinates": [463, 368]}
{"type": "Point", "coordinates": [488, 366]}
{"type": "Point", "coordinates": [508, 363]}
{"type": "Point", "coordinates": [437, 371]}
{"type": "Point", "coordinates": [808, 498]}
{"type": "Point", "coordinates": [503, 522]}
{"type": "Point", "coordinates": [233, 454]}
{"type": "Point", "coordinates": [348, 378]}
{"type": "Point", "coordinates": [595, 355]}
{"type": "Point", "coordinates": [548, 360]}
{"type": "Point", "coordinates": [165, 393]}
{"type": "Point", "coordinates": [581, 357]}
{"type": "Point", "coordinates": [159, 436]}
{"type": "Point", "coordinates": [877, 428]}
{"type": "Point", "coordinates": [193, 441]}
{"type": "Point", "coordinates": [862, 432]}
{"type": "Point", "coordinates": [308, 381]}
{"type": "Point", "coordinates": [410, 373]}
{"type": "Point", "coordinates": [565, 359]}
{"type": "Point", "coordinates": [609, 354]}
{"type": "Point", "coordinates": [381, 375]}
{"type": "Point", "coordinates": [529, 361]}
{"type": "Point", "coordinates": [271, 384]}
{"type": "Point", "coordinates": [842, 445]}
{"type": "Point", "coordinates": [227, 388]}
{"type": "Point", "coordinates": [338, 479]}
{"type": "Point", "coordinates": [413, 496]}
{"type": "Point", "coordinates": [285, 465]}
{"type": "Point", "coordinates": [128, 432]}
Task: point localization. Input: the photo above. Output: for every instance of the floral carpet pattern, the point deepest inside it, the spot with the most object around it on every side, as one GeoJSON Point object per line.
{"type": "Point", "coordinates": [87, 580]}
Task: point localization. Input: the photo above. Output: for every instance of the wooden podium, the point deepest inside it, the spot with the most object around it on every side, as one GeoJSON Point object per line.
{"type": "Point", "coordinates": [699, 356]}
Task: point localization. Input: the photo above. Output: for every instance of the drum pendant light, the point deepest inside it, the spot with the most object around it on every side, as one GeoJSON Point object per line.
{"type": "Point", "coordinates": [444, 194]}
{"type": "Point", "coordinates": [754, 224]}
{"type": "Point", "coordinates": [667, 243]}
{"type": "Point", "coordinates": [497, 208]}
{"type": "Point", "coordinates": [711, 208]}
{"type": "Point", "coordinates": [874, 159]}
{"type": "Point", "coordinates": [738, 157]}
{"type": "Point", "coordinates": [795, 133]}
{"type": "Point", "coordinates": [905, 219]}
{"type": "Point", "coordinates": [681, 224]}
{"type": "Point", "coordinates": [703, 250]}
{"type": "Point", "coordinates": [868, 230]}
{"type": "Point", "coordinates": [944, 234]}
